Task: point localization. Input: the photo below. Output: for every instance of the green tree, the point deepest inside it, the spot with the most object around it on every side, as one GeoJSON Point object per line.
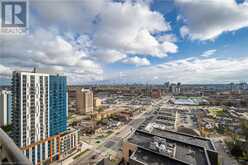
{"type": "Point", "coordinates": [244, 128]}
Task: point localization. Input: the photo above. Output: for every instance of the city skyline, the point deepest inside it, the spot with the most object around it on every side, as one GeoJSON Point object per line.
{"type": "Point", "coordinates": [124, 82]}
{"type": "Point", "coordinates": [133, 41]}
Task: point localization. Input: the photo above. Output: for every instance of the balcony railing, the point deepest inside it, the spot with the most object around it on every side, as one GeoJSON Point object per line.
{"type": "Point", "coordinates": [9, 152]}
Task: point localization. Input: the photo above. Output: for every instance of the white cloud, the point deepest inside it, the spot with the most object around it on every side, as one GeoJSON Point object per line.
{"type": "Point", "coordinates": [179, 17]}
{"type": "Point", "coordinates": [4, 71]}
{"type": "Point", "coordinates": [109, 56]}
{"type": "Point", "coordinates": [168, 38]}
{"type": "Point", "coordinates": [45, 49]}
{"type": "Point", "coordinates": [208, 53]}
{"type": "Point", "coordinates": [184, 31]}
{"type": "Point", "coordinates": [70, 15]}
{"type": "Point", "coordinates": [136, 61]}
{"type": "Point", "coordinates": [126, 27]}
{"type": "Point", "coordinates": [206, 20]}
{"type": "Point", "coordinates": [79, 37]}
{"type": "Point", "coordinates": [193, 70]}
{"type": "Point", "coordinates": [129, 27]}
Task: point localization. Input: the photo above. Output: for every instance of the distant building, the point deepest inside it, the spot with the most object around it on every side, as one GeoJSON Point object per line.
{"type": "Point", "coordinates": [97, 102]}
{"type": "Point", "coordinates": [175, 88]}
{"type": "Point", "coordinates": [72, 99]}
{"type": "Point", "coordinates": [5, 107]}
{"type": "Point", "coordinates": [156, 93]}
{"type": "Point", "coordinates": [167, 86]}
{"type": "Point", "coordinates": [84, 101]}
{"type": "Point", "coordinates": [148, 90]}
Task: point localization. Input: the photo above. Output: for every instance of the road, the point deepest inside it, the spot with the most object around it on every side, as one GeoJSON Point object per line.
{"type": "Point", "coordinates": [225, 158]}
{"type": "Point", "coordinates": [112, 144]}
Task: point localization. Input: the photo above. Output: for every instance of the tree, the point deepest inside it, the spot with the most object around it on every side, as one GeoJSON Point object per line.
{"type": "Point", "coordinates": [244, 128]}
{"type": "Point", "coordinates": [238, 147]}
{"type": "Point", "coordinates": [100, 109]}
{"type": "Point", "coordinates": [237, 150]}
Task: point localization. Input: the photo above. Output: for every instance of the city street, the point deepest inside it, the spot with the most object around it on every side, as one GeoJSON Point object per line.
{"type": "Point", "coordinates": [224, 157]}
{"type": "Point", "coordinates": [112, 144]}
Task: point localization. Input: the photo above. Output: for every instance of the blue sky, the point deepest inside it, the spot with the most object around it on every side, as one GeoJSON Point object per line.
{"type": "Point", "coordinates": [150, 41]}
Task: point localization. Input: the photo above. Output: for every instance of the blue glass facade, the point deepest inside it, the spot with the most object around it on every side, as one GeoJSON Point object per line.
{"type": "Point", "coordinates": [9, 111]}
{"type": "Point", "coordinates": [57, 104]}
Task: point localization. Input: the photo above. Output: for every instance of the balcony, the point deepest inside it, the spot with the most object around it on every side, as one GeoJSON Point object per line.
{"type": "Point", "coordinates": [9, 152]}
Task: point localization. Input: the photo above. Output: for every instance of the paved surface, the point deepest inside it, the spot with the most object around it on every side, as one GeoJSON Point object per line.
{"type": "Point", "coordinates": [112, 145]}
{"type": "Point", "coordinates": [224, 157]}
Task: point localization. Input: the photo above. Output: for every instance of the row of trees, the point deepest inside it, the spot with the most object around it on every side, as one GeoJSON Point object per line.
{"type": "Point", "coordinates": [239, 145]}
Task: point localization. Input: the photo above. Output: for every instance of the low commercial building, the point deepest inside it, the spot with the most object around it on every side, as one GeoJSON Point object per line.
{"type": "Point", "coordinates": [69, 141]}
{"type": "Point", "coordinates": [58, 146]}
{"type": "Point", "coordinates": [105, 114]}
{"type": "Point", "coordinates": [164, 146]}
{"type": "Point", "coordinates": [161, 119]}
{"type": "Point", "coordinates": [168, 147]}
{"type": "Point", "coordinates": [47, 150]}
{"type": "Point", "coordinates": [189, 101]}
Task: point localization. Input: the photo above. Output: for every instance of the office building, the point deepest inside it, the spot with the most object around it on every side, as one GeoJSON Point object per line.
{"type": "Point", "coordinates": [84, 101]}
{"type": "Point", "coordinates": [5, 107]}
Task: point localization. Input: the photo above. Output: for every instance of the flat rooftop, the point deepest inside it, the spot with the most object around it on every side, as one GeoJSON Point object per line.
{"type": "Point", "coordinates": [148, 157]}
{"type": "Point", "coordinates": [164, 118]}
{"type": "Point", "coordinates": [186, 153]}
{"type": "Point", "coordinates": [167, 118]}
{"type": "Point", "coordinates": [184, 138]}
{"type": "Point", "coordinates": [158, 143]}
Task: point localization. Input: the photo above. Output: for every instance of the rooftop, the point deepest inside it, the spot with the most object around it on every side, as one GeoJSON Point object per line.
{"type": "Point", "coordinates": [158, 142]}
{"type": "Point", "coordinates": [184, 138]}
{"type": "Point", "coordinates": [162, 119]}
{"type": "Point", "coordinates": [182, 152]}
{"type": "Point", "coordinates": [162, 123]}
{"type": "Point", "coordinates": [148, 157]}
